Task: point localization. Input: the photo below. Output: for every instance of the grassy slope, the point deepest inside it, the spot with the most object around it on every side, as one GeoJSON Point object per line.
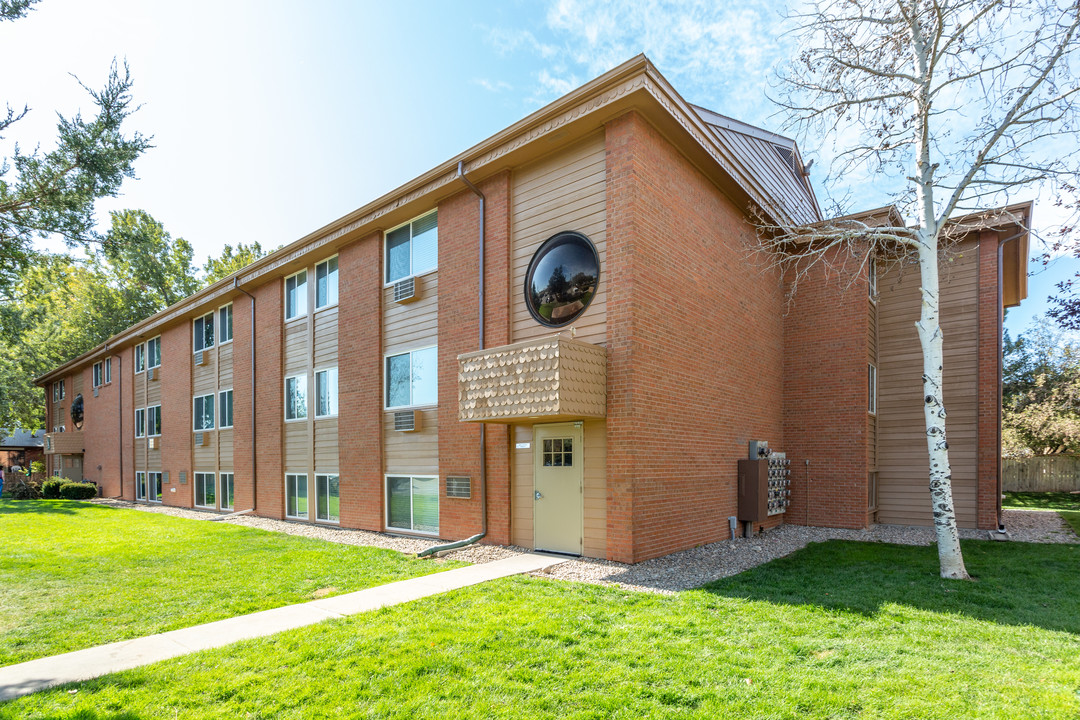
{"type": "Point", "coordinates": [1067, 505]}
{"type": "Point", "coordinates": [838, 630]}
{"type": "Point", "coordinates": [74, 575]}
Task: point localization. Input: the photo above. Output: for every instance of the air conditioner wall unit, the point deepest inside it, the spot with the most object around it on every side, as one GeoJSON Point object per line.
{"type": "Point", "coordinates": [152, 443]}
{"type": "Point", "coordinates": [408, 420]}
{"type": "Point", "coordinates": [406, 291]}
{"type": "Point", "coordinates": [152, 373]}
{"type": "Point", "coordinates": [200, 358]}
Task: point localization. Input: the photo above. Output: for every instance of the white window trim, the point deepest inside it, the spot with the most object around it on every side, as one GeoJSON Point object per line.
{"type": "Point", "coordinates": [97, 374]}
{"type": "Point", "coordinates": [386, 504]}
{"type": "Point", "coordinates": [137, 433]}
{"type": "Point", "coordinates": [146, 486]}
{"type": "Point", "coordinates": [422, 273]}
{"type": "Point", "coordinates": [308, 484]}
{"type": "Point", "coordinates": [872, 388]}
{"type": "Point", "coordinates": [324, 473]}
{"type": "Point", "coordinates": [148, 407]}
{"type": "Point", "coordinates": [285, 404]}
{"type": "Point", "coordinates": [221, 493]}
{"type": "Point", "coordinates": [213, 403]}
{"type": "Point", "coordinates": [315, 394]}
{"type": "Point", "coordinates": [285, 299]}
{"type": "Point", "coordinates": [160, 353]}
{"type": "Point", "coordinates": [161, 483]}
{"type": "Point", "coordinates": [222, 426]}
{"type": "Point", "coordinates": [135, 357]}
{"type": "Point", "coordinates": [386, 379]}
{"type": "Point", "coordinates": [195, 478]}
{"type": "Point", "coordinates": [315, 285]}
{"type": "Point", "coordinates": [213, 318]}
{"type": "Point", "coordinates": [217, 313]}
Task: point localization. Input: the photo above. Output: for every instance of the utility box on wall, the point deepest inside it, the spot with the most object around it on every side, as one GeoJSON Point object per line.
{"type": "Point", "coordinates": [753, 490]}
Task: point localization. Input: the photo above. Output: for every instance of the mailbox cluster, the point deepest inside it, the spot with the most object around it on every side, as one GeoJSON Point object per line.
{"type": "Point", "coordinates": [779, 483]}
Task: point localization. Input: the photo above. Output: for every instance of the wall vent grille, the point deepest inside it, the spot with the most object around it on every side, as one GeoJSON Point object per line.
{"type": "Point", "coordinates": [458, 487]}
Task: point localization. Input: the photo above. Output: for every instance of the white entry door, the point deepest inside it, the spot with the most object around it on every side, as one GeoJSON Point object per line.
{"type": "Point", "coordinates": [558, 500]}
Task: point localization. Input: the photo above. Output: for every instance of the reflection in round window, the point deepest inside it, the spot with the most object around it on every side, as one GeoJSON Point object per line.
{"type": "Point", "coordinates": [562, 279]}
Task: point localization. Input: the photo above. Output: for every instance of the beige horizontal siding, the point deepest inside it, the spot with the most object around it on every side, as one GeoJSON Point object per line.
{"type": "Point", "coordinates": [564, 191]}
{"type": "Point", "coordinates": [407, 326]}
{"type": "Point", "coordinates": [225, 367]}
{"type": "Point", "coordinates": [412, 453]}
{"type": "Point", "coordinates": [326, 445]}
{"type": "Point", "coordinates": [521, 488]}
{"type": "Point", "coordinates": [297, 351]}
{"type": "Point", "coordinates": [297, 447]}
{"type": "Point", "coordinates": [225, 450]}
{"type": "Point", "coordinates": [326, 338]}
{"type": "Point", "coordinates": [903, 465]}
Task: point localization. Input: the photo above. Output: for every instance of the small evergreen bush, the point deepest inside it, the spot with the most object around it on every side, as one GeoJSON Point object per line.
{"type": "Point", "coordinates": [78, 490]}
{"type": "Point", "coordinates": [23, 489]}
{"type": "Point", "coordinates": [50, 489]}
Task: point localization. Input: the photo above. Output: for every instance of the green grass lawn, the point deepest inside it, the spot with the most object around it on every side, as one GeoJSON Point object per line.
{"type": "Point", "coordinates": [1067, 505]}
{"type": "Point", "coordinates": [837, 630]}
{"type": "Point", "coordinates": [74, 575]}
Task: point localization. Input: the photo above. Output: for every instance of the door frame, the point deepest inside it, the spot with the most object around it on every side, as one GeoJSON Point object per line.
{"type": "Point", "coordinates": [577, 430]}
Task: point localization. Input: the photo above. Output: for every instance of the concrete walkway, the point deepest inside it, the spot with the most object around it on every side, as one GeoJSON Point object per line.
{"type": "Point", "coordinates": [28, 677]}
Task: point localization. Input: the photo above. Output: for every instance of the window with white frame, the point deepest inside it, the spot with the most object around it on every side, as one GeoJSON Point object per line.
{"type": "Point", "coordinates": [296, 397]}
{"type": "Point", "coordinates": [204, 332]}
{"type": "Point", "coordinates": [327, 497]}
{"type": "Point", "coordinates": [140, 485]}
{"type": "Point", "coordinates": [412, 503]}
{"type": "Point", "coordinates": [225, 324]}
{"type": "Point", "coordinates": [205, 490]}
{"type": "Point", "coordinates": [412, 378]}
{"type": "Point", "coordinates": [153, 352]}
{"type": "Point", "coordinates": [326, 395]}
{"type": "Point", "coordinates": [871, 387]}
{"type": "Point", "coordinates": [153, 420]}
{"type": "Point", "coordinates": [140, 358]}
{"type": "Point", "coordinates": [59, 421]}
{"type": "Point", "coordinates": [412, 248]}
{"type": "Point", "coordinates": [155, 486]}
{"type": "Point", "coordinates": [203, 412]}
{"type": "Point", "coordinates": [326, 283]}
{"type": "Point", "coordinates": [296, 295]}
{"type": "Point", "coordinates": [99, 373]}
{"type": "Point", "coordinates": [58, 391]}
{"type": "Point", "coordinates": [225, 419]}
{"type": "Point", "coordinates": [296, 496]}
{"type": "Point", "coordinates": [140, 422]}
{"type": "Point", "coordinates": [228, 491]}
{"type": "Point", "coordinates": [108, 370]}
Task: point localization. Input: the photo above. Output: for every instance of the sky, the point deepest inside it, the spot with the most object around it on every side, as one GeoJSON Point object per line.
{"type": "Point", "coordinates": [272, 119]}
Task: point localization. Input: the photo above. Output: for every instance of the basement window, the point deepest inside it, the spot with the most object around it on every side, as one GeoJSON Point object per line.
{"type": "Point", "coordinates": [412, 504]}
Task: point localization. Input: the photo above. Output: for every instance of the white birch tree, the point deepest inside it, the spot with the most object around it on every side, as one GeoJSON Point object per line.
{"type": "Point", "coordinates": [959, 105]}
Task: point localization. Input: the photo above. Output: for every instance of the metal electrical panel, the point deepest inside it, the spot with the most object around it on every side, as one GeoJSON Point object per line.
{"type": "Point", "coordinates": [764, 484]}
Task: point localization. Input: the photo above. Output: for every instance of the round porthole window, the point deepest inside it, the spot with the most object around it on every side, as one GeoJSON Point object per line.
{"type": "Point", "coordinates": [77, 412]}
{"type": "Point", "coordinates": [562, 279]}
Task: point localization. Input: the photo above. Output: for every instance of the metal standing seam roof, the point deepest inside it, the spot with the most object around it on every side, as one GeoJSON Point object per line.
{"type": "Point", "coordinates": [772, 163]}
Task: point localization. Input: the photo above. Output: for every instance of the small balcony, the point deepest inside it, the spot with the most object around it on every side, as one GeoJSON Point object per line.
{"type": "Point", "coordinates": [551, 379]}
{"type": "Point", "coordinates": [64, 443]}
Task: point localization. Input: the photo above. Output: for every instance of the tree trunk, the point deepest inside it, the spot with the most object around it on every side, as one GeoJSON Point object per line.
{"type": "Point", "coordinates": [930, 337]}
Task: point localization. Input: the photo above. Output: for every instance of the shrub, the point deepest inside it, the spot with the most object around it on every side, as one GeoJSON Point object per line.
{"type": "Point", "coordinates": [78, 490]}
{"type": "Point", "coordinates": [37, 467]}
{"type": "Point", "coordinates": [50, 489]}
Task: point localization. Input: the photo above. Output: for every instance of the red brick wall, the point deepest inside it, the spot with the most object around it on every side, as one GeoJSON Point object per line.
{"type": "Point", "coordinates": [825, 398]}
{"type": "Point", "coordinates": [269, 401]}
{"type": "Point", "coordinates": [459, 333]}
{"type": "Point", "coordinates": [695, 339]}
{"type": "Point", "coordinates": [123, 484]}
{"type": "Point", "coordinates": [360, 383]}
{"type": "Point", "coordinates": [176, 410]}
{"type": "Point", "coordinates": [989, 432]}
{"type": "Point", "coordinates": [101, 428]}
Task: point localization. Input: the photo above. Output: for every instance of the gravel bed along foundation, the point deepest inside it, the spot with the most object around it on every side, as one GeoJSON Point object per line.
{"type": "Point", "coordinates": [678, 571]}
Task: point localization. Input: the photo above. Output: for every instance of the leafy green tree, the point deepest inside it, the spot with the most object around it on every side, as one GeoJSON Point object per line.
{"type": "Point", "coordinates": [230, 261]}
{"type": "Point", "coordinates": [15, 9]}
{"type": "Point", "coordinates": [1040, 394]}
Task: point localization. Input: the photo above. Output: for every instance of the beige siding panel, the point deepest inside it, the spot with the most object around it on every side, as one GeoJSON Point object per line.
{"type": "Point", "coordinates": [140, 454]}
{"type": "Point", "coordinates": [407, 326]}
{"type": "Point", "coordinates": [564, 191]}
{"type": "Point", "coordinates": [326, 338]}
{"type": "Point", "coordinates": [139, 394]}
{"type": "Point", "coordinates": [326, 445]}
{"type": "Point", "coordinates": [595, 472]}
{"type": "Point", "coordinates": [297, 447]}
{"type": "Point", "coordinates": [153, 392]}
{"type": "Point", "coordinates": [412, 453]}
{"type": "Point", "coordinates": [76, 384]}
{"type": "Point", "coordinates": [205, 456]}
{"type": "Point", "coordinates": [521, 488]}
{"type": "Point", "coordinates": [225, 450]}
{"type": "Point", "coordinates": [153, 460]}
{"type": "Point", "coordinates": [204, 377]}
{"type": "Point", "coordinates": [903, 474]}
{"type": "Point", "coordinates": [296, 347]}
{"type": "Point", "coordinates": [225, 367]}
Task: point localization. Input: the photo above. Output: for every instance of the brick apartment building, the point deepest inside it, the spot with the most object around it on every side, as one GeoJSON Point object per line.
{"type": "Point", "coordinates": [558, 337]}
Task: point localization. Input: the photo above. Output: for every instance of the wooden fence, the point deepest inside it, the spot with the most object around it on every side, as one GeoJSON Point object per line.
{"type": "Point", "coordinates": [1048, 473]}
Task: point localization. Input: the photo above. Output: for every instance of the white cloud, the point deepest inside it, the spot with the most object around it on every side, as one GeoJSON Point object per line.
{"type": "Point", "coordinates": [493, 85]}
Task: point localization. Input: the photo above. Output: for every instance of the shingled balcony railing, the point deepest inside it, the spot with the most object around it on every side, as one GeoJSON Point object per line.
{"type": "Point", "coordinates": [64, 443]}
{"type": "Point", "coordinates": [551, 378]}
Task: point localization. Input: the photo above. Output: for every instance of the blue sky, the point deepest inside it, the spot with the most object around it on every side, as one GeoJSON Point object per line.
{"type": "Point", "coordinates": [271, 119]}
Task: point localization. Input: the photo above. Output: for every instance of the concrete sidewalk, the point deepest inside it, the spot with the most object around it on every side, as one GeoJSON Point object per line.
{"type": "Point", "coordinates": [28, 677]}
